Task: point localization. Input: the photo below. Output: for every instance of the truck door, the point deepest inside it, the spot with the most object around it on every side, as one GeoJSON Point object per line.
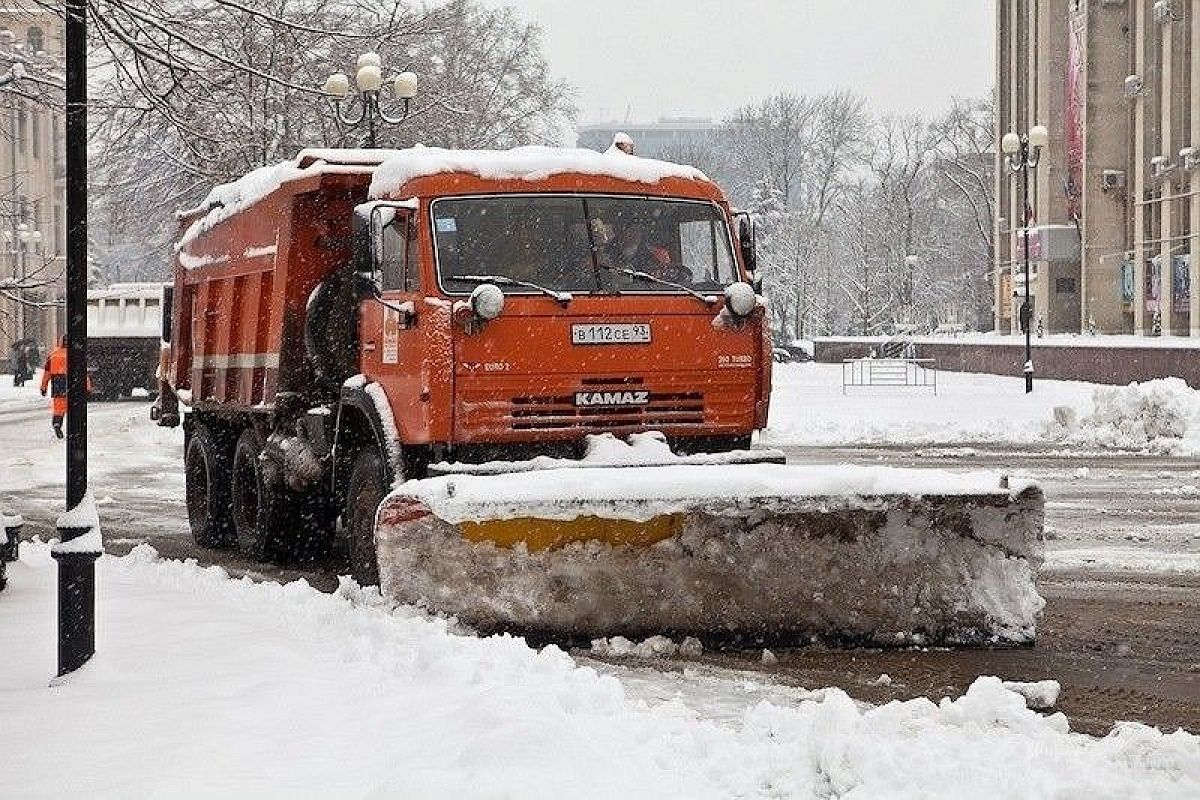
{"type": "Point", "coordinates": [393, 335]}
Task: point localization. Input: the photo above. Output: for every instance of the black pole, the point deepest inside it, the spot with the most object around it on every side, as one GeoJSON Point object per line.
{"type": "Point", "coordinates": [370, 108]}
{"type": "Point", "coordinates": [1028, 315]}
{"type": "Point", "coordinates": [76, 570]}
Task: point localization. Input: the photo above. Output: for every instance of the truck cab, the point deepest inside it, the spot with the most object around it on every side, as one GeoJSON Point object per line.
{"type": "Point", "coordinates": [511, 316]}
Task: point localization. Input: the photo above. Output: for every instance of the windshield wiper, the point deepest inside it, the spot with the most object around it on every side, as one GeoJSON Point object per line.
{"type": "Point", "coordinates": [638, 275]}
{"type": "Point", "coordinates": [562, 298]}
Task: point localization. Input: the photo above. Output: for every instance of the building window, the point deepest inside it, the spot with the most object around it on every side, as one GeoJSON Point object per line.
{"type": "Point", "coordinates": [22, 131]}
{"type": "Point", "coordinates": [1064, 286]}
{"type": "Point", "coordinates": [36, 134]}
{"type": "Point", "coordinates": [36, 40]}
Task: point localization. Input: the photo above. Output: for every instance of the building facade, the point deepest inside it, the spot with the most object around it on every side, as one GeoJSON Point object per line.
{"type": "Point", "coordinates": [683, 139]}
{"type": "Point", "coordinates": [32, 180]}
{"type": "Point", "coordinates": [1114, 207]}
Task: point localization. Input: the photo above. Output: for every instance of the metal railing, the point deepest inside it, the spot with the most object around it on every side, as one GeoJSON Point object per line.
{"type": "Point", "coordinates": [919, 373]}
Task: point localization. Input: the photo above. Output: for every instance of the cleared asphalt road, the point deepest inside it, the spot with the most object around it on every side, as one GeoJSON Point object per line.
{"type": "Point", "coordinates": [1125, 645]}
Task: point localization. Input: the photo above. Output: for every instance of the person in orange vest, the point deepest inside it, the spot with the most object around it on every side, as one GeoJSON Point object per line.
{"type": "Point", "coordinates": [54, 377]}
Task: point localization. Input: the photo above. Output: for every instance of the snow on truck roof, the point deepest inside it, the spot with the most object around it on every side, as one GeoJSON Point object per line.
{"type": "Point", "coordinates": [391, 169]}
{"type": "Point", "coordinates": [522, 163]}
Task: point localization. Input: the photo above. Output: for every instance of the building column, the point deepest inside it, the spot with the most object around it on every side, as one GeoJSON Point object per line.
{"type": "Point", "coordinates": [1166, 226]}
{"type": "Point", "coordinates": [1194, 186]}
{"type": "Point", "coordinates": [1002, 219]}
{"type": "Point", "coordinates": [1138, 184]}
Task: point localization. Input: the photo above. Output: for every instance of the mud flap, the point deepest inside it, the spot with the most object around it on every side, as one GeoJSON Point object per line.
{"type": "Point", "coordinates": [882, 569]}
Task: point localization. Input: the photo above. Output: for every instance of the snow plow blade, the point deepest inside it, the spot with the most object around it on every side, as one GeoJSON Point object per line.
{"type": "Point", "coordinates": [764, 553]}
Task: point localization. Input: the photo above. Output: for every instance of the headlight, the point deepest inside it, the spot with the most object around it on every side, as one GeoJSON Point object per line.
{"type": "Point", "coordinates": [487, 301]}
{"type": "Point", "coordinates": [740, 299]}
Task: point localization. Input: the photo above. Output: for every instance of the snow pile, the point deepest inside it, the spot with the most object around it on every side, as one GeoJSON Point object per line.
{"type": "Point", "coordinates": [533, 163]}
{"type": "Point", "coordinates": [83, 516]}
{"type": "Point", "coordinates": [653, 647]}
{"type": "Point", "coordinates": [206, 686]}
{"type": "Point", "coordinates": [647, 449]}
{"type": "Point", "coordinates": [1037, 694]}
{"type": "Point", "coordinates": [1160, 416]}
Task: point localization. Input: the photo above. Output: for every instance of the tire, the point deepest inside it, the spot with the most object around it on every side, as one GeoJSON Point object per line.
{"type": "Point", "coordinates": [364, 491]}
{"type": "Point", "coordinates": [207, 466]}
{"type": "Point", "coordinates": [255, 517]}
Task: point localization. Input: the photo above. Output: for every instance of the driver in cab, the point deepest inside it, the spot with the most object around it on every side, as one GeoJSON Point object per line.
{"type": "Point", "coordinates": [635, 250]}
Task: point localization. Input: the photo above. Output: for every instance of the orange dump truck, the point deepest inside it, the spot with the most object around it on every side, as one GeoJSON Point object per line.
{"type": "Point", "coordinates": [353, 321]}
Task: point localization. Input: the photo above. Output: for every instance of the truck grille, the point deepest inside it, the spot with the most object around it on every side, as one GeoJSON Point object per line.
{"type": "Point", "coordinates": [559, 412]}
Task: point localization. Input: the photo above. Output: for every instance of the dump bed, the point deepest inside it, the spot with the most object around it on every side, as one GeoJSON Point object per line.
{"type": "Point", "coordinates": [125, 311]}
{"type": "Point", "coordinates": [245, 266]}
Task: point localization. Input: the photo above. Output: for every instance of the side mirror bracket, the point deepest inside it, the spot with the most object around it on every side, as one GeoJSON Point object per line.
{"type": "Point", "coordinates": [747, 244]}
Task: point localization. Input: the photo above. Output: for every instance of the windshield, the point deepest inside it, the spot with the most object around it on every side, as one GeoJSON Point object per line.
{"type": "Point", "coordinates": [578, 243]}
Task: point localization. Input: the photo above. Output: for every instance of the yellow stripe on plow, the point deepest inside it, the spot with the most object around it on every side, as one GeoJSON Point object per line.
{"type": "Point", "coordinates": [547, 534]}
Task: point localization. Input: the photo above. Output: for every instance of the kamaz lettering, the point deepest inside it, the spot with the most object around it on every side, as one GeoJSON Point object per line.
{"type": "Point", "coordinates": [612, 398]}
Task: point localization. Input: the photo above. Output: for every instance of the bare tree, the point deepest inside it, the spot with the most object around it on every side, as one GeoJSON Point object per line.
{"type": "Point", "coordinates": [189, 93]}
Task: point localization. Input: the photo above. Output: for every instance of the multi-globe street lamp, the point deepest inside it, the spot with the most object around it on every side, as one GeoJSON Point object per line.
{"type": "Point", "coordinates": [368, 80]}
{"type": "Point", "coordinates": [1022, 153]}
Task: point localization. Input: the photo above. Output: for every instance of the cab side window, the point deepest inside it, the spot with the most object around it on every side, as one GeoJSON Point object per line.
{"type": "Point", "coordinates": [397, 249]}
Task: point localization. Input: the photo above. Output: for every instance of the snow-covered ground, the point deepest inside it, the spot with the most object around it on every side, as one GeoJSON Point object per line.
{"type": "Point", "coordinates": [809, 408]}
{"type": "Point", "coordinates": [210, 686]}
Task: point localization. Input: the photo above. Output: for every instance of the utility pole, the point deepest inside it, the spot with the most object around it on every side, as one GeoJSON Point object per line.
{"type": "Point", "coordinates": [76, 563]}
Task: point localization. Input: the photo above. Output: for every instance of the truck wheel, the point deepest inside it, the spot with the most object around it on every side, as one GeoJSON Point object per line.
{"type": "Point", "coordinates": [364, 492]}
{"type": "Point", "coordinates": [262, 508]}
{"type": "Point", "coordinates": [207, 464]}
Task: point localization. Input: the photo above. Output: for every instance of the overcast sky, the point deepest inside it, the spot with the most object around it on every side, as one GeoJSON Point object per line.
{"type": "Point", "coordinates": [653, 58]}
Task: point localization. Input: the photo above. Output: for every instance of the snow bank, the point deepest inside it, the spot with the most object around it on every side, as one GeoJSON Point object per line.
{"type": "Point", "coordinates": [1160, 416]}
{"type": "Point", "coordinates": [208, 686]}
{"type": "Point", "coordinates": [808, 408]}
{"type": "Point", "coordinates": [522, 163]}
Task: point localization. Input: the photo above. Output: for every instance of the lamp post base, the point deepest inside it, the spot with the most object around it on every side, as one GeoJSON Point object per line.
{"type": "Point", "coordinates": [76, 609]}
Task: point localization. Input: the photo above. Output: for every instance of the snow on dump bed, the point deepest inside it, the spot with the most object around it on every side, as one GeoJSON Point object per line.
{"type": "Point", "coordinates": [227, 199]}
{"type": "Point", "coordinates": [642, 493]}
{"type": "Point", "coordinates": [206, 686]}
{"type": "Point", "coordinates": [531, 163]}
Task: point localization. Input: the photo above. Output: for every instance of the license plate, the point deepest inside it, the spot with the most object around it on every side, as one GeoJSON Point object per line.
{"type": "Point", "coordinates": [621, 333]}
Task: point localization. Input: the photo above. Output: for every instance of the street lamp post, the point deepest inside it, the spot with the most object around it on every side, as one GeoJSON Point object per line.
{"type": "Point", "coordinates": [368, 80]}
{"type": "Point", "coordinates": [76, 559]}
{"type": "Point", "coordinates": [1022, 154]}
{"type": "Point", "coordinates": [18, 250]}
